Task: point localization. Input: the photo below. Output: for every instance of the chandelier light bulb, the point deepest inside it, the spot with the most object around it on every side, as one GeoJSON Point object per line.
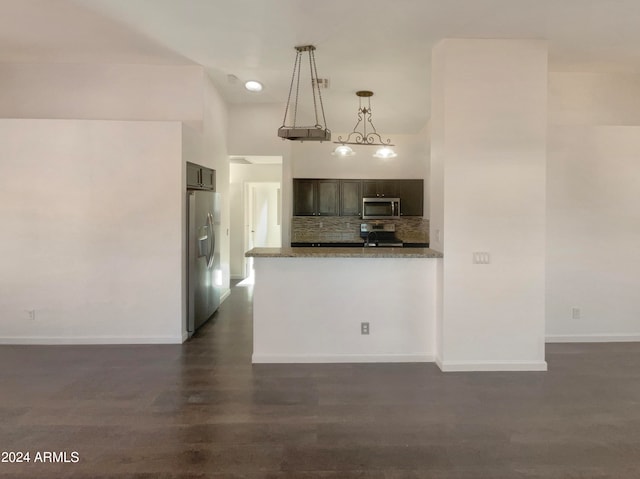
{"type": "Point", "coordinates": [343, 151]}
{"type": "Point", "coordinates": [385, 152]}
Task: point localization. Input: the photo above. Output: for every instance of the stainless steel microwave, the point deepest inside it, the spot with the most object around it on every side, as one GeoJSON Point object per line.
{"type": "Point", "coordinates": [380, 208]}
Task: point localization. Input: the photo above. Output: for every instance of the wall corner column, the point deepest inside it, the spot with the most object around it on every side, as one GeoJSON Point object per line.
{"type": "Point", "coordinates": [488, 170]}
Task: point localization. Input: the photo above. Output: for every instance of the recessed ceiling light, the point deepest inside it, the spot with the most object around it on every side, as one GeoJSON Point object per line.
{"type": "Point", "coordinates": [253, 85]}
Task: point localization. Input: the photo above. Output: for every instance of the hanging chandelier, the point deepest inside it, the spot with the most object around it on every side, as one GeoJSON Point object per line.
{"type": "Point", "coordinates": [293, 131]}
{"type": "Point", "coordinates": [364, 137]}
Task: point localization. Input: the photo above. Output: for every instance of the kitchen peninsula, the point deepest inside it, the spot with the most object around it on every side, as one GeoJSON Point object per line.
{"type": "Point", "coordinates": [322, 305]}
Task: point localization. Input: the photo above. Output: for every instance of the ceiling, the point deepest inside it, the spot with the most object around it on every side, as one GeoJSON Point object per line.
{"type": "Point", "coordinates": [379, 45]}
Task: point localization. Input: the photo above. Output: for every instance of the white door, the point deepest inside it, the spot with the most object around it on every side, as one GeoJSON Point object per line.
{"type": "Point", "coordinates": [263, 218]}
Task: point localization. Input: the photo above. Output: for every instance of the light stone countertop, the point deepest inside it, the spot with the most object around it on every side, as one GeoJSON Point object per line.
{"type": "Point", "coordinates": [349, 252]}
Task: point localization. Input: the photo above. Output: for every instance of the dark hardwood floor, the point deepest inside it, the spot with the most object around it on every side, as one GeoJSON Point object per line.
{"type": "Point", "coordinates": [201, 410]}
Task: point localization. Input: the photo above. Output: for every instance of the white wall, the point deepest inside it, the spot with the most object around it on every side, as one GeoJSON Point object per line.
{"type": "Point", "coordinates": [253, 130]}
{"type": "Point", "coordinates": [91, 215]}
{"type": "Point", "coordinates": [593, 207]}
{"type": "Point", "coordinates": [320, 321]}
{"type": "Point", "coordinates": [240, 175]}
{"type": "Point", "coordinates": [436, 186]}
{"type": "Point", "coordinates": [95, 91]}
{"type": "Point", "coordinates": [589, 98]}
{"type": "Point", "coordinates": [489, 145]}
{"type": "Point", "coordinates": [132, 92]}
{"type": "Point", "coordinates": [215, 130]}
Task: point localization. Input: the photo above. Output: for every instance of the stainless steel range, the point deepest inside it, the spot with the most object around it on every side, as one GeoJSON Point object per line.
{"type": "Point", "coordinates": [381, 235]}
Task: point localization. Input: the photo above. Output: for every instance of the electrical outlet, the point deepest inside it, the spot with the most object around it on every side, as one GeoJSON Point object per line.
{"type": "Point", "coordinates": [481, 257]}
{"type": "Point", "coordinates": [575, 313]}
{"type": "Point", "coordinates": [32, 314]}
{"type": "Point", "coordinates": [364, 328]}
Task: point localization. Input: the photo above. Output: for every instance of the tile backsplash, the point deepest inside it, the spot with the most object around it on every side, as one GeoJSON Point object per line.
{"type": "Point", "coordinates": [346, 229]}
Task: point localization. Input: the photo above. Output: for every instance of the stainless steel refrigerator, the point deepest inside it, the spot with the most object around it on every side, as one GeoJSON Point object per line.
{"type": "Point", "coordinates": [204, 278]}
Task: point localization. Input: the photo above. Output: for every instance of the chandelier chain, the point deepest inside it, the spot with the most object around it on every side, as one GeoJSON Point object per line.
{"type": "Point", "coordinates": [313, 86]}
{"type": "Point", "coordinates": [293, 77]}
{"type": "Point", "coordinates": [290, 131]}
{"type": "Point", "coordinates": [314, 74]}
{"type": "Point", "coordinates": [295, 110]}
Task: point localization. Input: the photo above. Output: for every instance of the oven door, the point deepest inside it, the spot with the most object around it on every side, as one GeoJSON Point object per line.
{"type": "Point", "coordinates": [380, 208]}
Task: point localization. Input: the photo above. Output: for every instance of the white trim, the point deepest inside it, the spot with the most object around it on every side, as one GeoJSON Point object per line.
{"type": "Point", "coordinates": [237, 276]}
{"type": "Point", "coordinates": [342, 358]}
{"type": "Point", "coordinates": [452, 366]}
{"type": "Point", "coordinates": [185, 336]}
{"type": "Point", "coordinates": [225, 295]}
{"type": "Point", "coordinates": [91, 340]}
{"type": "Point", "coordinates": [592, 338]}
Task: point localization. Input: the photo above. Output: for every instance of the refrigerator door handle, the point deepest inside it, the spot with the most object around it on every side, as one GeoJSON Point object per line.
{"type": "Point", "coordinates": [203, 239]}
{"type": "Point", "coordinates": [212, 240]}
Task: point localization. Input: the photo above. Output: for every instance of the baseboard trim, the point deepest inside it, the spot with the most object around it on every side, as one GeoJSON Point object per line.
{"type": "Point", "coordinates": [341, 358]}
{"type": "Point", "coordinates": [459, 366]}
{"type": "Point", "coordinates": [593, 338]}
{"type": "Point", "coordinates": [225, 295]}
{"type": "Point", "coordinates": [52, 341]}
{"type": "Point", "coordinates": [237, 276]}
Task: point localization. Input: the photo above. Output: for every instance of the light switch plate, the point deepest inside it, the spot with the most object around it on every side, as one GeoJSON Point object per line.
{"type": "Point", "coordinates": [481, 257]}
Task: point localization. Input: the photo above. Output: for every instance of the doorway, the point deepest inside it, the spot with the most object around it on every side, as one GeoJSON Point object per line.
{"type": "Point", "coordinates": [262, 210]}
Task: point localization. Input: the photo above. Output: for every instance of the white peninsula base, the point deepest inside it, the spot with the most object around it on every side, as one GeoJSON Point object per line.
{"type": "Point", "coordinates": [310, 309]}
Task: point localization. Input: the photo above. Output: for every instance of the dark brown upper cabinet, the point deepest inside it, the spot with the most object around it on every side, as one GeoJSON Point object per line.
{"type": "Point", "coordinates": [314, 197]}
{"type": "Point", "coordinates": [328, 197]}
{"type": "Point", "coordinates": [343, 197]}
{"type": "Point", "coordinates": [350, 197]}
{"type": "Point", "coordinates": [411, 194]}
{"type": "Point", "coordinates": [304, 197]}
{"type": "Point", "coordinates": [200, 177]}
{"type": "Point", "coordinates": [380, 188]}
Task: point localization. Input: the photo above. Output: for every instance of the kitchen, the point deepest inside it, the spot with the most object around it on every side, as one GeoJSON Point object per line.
{"type": "Point", "coordinates": [358, 286]}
